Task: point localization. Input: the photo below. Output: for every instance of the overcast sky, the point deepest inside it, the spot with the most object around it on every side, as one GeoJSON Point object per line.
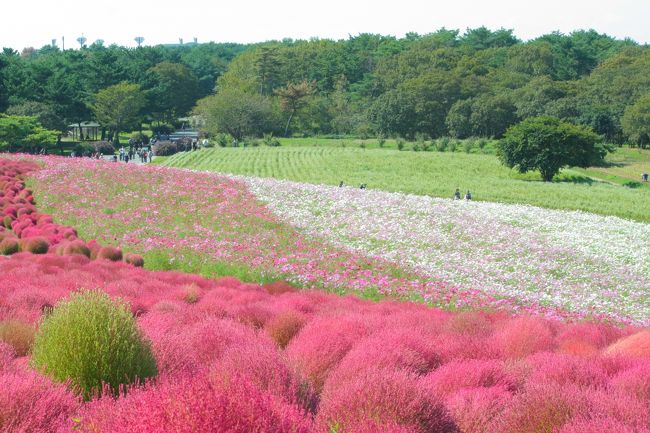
{"type": "Point", "coordinates": [36, 22]}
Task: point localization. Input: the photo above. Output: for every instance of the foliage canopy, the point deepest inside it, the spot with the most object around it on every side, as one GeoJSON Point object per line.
{"type": "Point", "coordinates": [547, 144]}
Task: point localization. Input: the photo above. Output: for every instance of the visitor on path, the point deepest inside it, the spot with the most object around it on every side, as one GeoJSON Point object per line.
{"type": "Point", "coordinates": [468, 195]}
{"type": "Point", "coordinates": [644, 176]}
{"type": "Point", "coordinates": [457, 194]}
{"type": "Point", "coordinates": [126, 158]}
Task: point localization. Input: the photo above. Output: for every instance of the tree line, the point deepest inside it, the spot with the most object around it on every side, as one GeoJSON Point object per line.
{"type": "Point", "coordinates": [478, 83]}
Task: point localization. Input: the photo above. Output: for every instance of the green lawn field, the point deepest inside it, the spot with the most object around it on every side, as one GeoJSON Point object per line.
{"type": "Point", "coordinates": [597, 190]}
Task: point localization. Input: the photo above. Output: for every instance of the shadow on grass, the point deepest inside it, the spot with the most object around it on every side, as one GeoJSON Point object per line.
{"type": "Point", "coordinates": [632, 184]}
{"type": "Point", "coordinates": [575, 179]}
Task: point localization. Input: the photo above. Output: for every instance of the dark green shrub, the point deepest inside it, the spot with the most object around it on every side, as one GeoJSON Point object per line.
{"type": "Point", "coordinates": [110, 253]}
{"type": "Point", "coordinates": [35, 245]}
{"type": "Point", "coordinates": [140, 137]}
{"type": "Point", "coordinates": [270, 140]}
{"type": "Point", "coordinates": [92, 341]}
{"type": "Point", "coordinates": [442, 144]}
{"type": "Point", "coordinates": [76, 247]}
{"type": "Point", "coordinates": [400, 143]}
{"type": "Point", "coordinates": [83, 149]}
{"type": "Point", "coordinates": [381, 139]}
{"type": "Point", "coordinates": [165, 148]}
{"type": "Point", "coordinates": [223, 140]}
{"type": "Point", "coordinates": [103, 147]}
{"type": "Point", "coordinates": [162, 129]}
{"type": "Point", "coordinates": [468, 145]}
{"type": "Point", "coordinates": [453, 145]}
{"type": "Point", "coordinates": [9, 246]}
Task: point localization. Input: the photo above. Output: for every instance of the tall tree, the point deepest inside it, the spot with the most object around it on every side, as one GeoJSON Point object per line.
{"type": "Point", "coordinates": [293, 97]}
{"type": "Point", "coordinates": [547, 144]}
{"type": "Point", "coordinates": [175, 90]}
{"type": "Point", "coordinates": [119, 106]}
{"type": "Point", "coordinates": [237, 113]}
{"type": "Point", "coordinates": [24, 134]}
{"type": "Point", "coordinates": [44, 114]}
{"type": "Point", "coordinates": [636, 121]}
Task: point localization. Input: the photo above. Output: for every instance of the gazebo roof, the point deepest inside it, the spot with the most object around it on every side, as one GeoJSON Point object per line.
{"type": "Point", "coordinates": [85, 125]}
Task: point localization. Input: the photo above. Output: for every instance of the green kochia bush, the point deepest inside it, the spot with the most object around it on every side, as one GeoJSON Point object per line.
{"type": "Point", "coordinates": [93, 341]}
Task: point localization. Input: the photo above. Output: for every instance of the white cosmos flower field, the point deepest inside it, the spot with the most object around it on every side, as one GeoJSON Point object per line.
{"type": "Point", "coordinates": [574, 261]}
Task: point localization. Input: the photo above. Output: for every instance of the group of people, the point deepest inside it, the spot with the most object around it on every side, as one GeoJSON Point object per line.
{"type": "Point", "coordinates": [362, 186]}
{"type": "Point", "coordinates": [145, 154]}
{"type": "Point", "coordinates": [468, 195]}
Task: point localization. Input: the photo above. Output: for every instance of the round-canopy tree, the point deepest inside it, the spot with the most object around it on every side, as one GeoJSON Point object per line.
{"type": "Point", "coordinates": [547, 144]}
{"type": "Point", "coordinates": [636, 121]}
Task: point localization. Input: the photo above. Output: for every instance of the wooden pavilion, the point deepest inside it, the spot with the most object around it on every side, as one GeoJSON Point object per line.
{"type": "Point", "coordinates": [85, 131]}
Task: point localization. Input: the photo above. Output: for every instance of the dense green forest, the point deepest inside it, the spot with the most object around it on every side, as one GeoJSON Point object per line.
{"type": "Point", "coordinates": [477, 83]}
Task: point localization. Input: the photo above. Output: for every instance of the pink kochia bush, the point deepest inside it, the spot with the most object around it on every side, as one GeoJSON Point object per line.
{"type": "Point", "coordinates": [30, 402]}
{"type": "Point", "coordinates": [241, 358]}
{"type": "Point", "coordinates": [35, 232]}
{"type": "Point", "coordinates": [196, 404]}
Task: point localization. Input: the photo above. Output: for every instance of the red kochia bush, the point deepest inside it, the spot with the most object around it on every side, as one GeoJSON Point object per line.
{"type": "Point", "coordinates": [133, 259]}
{"type": "Point", "coordinates": [543, 409]}
{"type": "Point", "coordinates": [391, 349]}
{"type": "Point", "coordinates": [321, 344]}
{"type": "Point", "coordinates": [260, 362]}
{"type": "Point", "coordinates": [30, 402]}
{"type": "Point", "coordinates": [191, 405]}
{"type": "Point", "coordinates": [469, 373]}
{"type": "Point", "coordinates": [7, 355]}
{"type": "Point", "coordinates": [565, 369]}
{"type": "Point", "coordinates": [636, 345]}
{"type": "Point", "coordinates": [599, 425]}
{"type": "Point", "coordinates": [110, 253]}
{"type": "Point", "coordinates": [279, 287]}
{"type": "Point", "coordinates": [474, 409]}
{"type": "Point", "coordinates": [523, 336]}
{"type": "Point", "coordinates": [634, 381]}
{"type": "Point", "coordinates": [383, 397]}
{"type": "Point", "coordinates": [284, 326]}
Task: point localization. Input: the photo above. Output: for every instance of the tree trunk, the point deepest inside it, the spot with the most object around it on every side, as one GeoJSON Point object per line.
{"type": "Point", "coordinates": [286, 128]}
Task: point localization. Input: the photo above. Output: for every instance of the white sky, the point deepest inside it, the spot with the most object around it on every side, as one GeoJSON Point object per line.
{"type": "Point", "coordinates": [37, 22]}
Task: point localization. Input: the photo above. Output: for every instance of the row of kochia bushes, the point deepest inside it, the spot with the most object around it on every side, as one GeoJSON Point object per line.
{"type": "Point", "coordinates": [173, 352]}
{"type": "Point", "coordinates": [419, 143]}
{"type": "Point", "coordinates": [23, 228]}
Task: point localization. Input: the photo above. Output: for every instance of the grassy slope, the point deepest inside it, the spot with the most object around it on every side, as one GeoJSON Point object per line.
{"type": "Point", "coordinates": [436, 174]}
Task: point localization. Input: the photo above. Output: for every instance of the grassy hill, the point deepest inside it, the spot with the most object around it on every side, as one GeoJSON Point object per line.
{"type": "Point", "coordinates": [597, 190]}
